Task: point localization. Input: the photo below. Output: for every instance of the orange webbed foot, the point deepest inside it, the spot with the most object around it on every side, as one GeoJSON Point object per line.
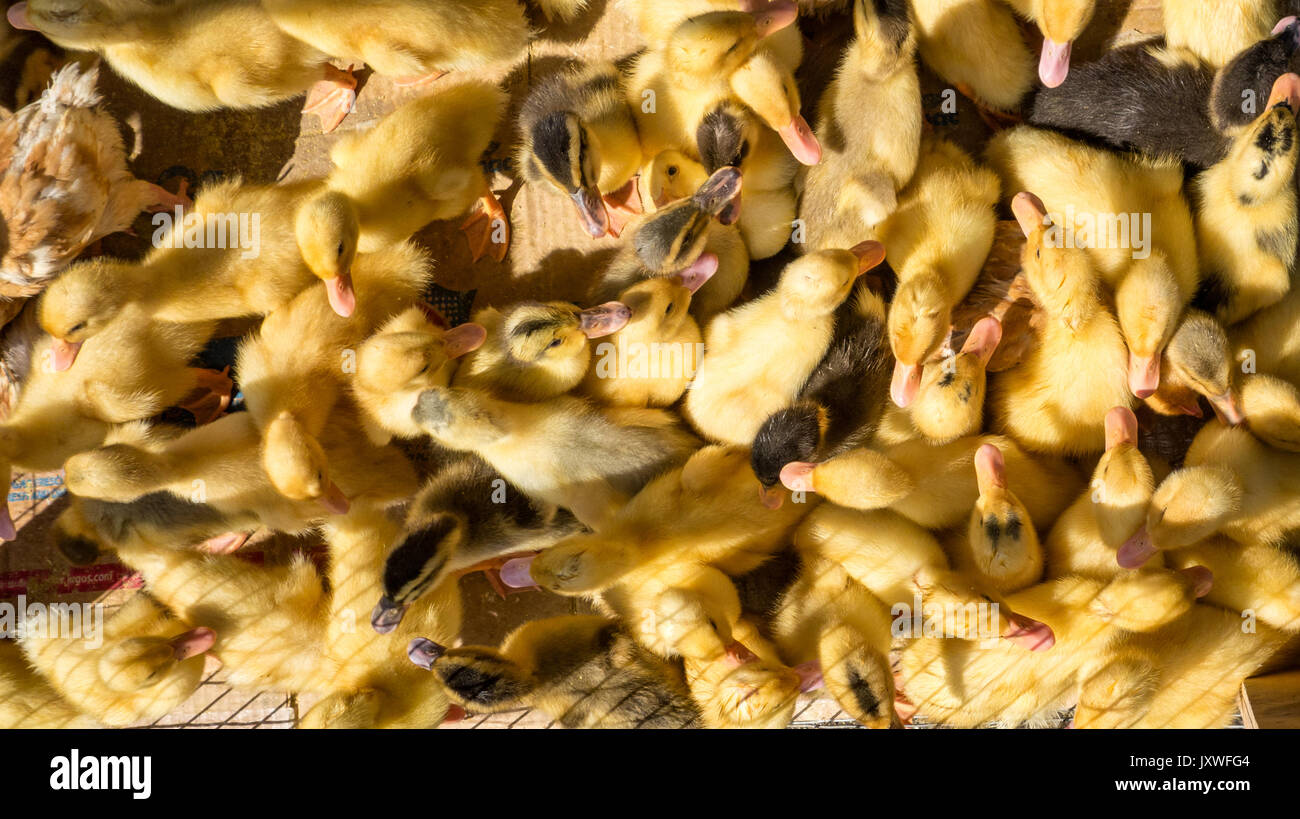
{"type": "Point", "coordinates": [488, 226]}
{"type": "Point", "coordinates": [213, 392]}
{"type": "Point", "coordinates": [623, 205]}
{"type": "Point", "coordinates": [333, 98]}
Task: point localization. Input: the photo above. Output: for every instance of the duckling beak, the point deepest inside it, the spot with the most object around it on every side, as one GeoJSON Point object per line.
{"type": "Point", "coordinates": [424, 652]}
{"type": "Point", "coordinates": [738, 654]}
{"type": "Point", "coordinates": [698, 272]}
{"type": "Point", "coordinates": [990, 471]}
{"type": "Point", "coordinates": [798, 476]}
{"type": "Point", "coordinates": [1143, 375]}
{"type": "Point", "coordinates": [810, 676]}
{"type": "Point", "coordinates": [1136, 551]}
{"type": "Point", "coordinates": [517, 573]}
{"type": "Point", "coordinates": [341, 295]}
{"type": "Point", "coordinates": [463, 339]}
{"type": "Point", "coordinates": [386, 615]}
{"type": "Point", "coordinates": [770, 497]}
{"type": "Point", "coordinates": [193, 643]}
{"type": "Point", "coordinates": [591, 209]}
{"type": "Point", "coordinates": [771, 17]}
{"type": "Point", "coordinates": [1286, 91]}
{"type": "Point", "coordinates": [1029, 633]}
{"type": "Point", "coordinates": [983, 340]}
{"type": "Point", "coordinates": [1282, 25]}
{"type": "Point", "coordinates": [1227, 408]}
{"type": "Point", "coordinates": [610, 317]}
{"type": "Point", "coordinates": [905, 384]}
{"type": "Point", "coordinates": [1121, 427]}
{"type": "Point", "coordinates": [335, 501]}
{"type": "Point", "coordinates": [870, 254]}
{"type": "Point", "coordinates": [798, 136]}
{"type": "Point", "coordinates": [1054, 64]}
{"type": "Point", "coordinates": [64, 354]}
{"type": "Point", "coordinates": [18, 18]}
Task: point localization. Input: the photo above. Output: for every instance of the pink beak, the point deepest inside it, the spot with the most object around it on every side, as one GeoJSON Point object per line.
{"type": "Point", "coordinates": [1228, 410]}
{"type": "Point", "coordinates": [517, 573]}
{"type": "Point", "coordinates": [801, 141]}
{"type": "Point", "coordinates": [1143, 375]}
{"type": "Point", "coordinates": [699, 272]}
{"type": "Point", "coordinates": [341, 295]}
{"type": "Point", "coordinates": [18, 18]}
{"type": "Point", "coordinates": [906, 383]}
{"type": "Point", "coordinates": [1136, 551]}
{"type": "Point", "coordinates": [65, 354]}
{"type": "Point", "coordinates": [193, 643]}
{"type": "Point", "coordinates": [1054, 64]}
{"type": "Point", "coordinates": [335, 501]}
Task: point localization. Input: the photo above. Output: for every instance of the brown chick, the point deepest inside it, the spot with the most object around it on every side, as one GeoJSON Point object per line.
{"type": "Point", "coordinates": [64, 182]}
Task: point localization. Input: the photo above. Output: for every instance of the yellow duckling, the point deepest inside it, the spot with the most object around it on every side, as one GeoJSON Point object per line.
{"type": "Point", "coordinates": [938, 241]}
{"type": "Point", "coordinates": [1044, 406]}
{"type": "Point", "coordinates": [407, 356]}
{"type": "Point", "coordinates": [28, 701]}
{"type": "Point", "coordinates": [1098, 201]}
{"type": "Point", "coordinates": [146, 664]}
{"type": "Point", "coordinates": [1061, 22]}
{"type": "Point", "coordinates": [745, 376]}
{"type": "Point", "coordinates": [536, 351]}
{"type": "Point", "coordinates": [870, 120]}
{"type": "Point", "coordinates": [178, 284]}
{"type": "Point", "coordinates": [650, 361]}
{"type": "Point", "coordinates": [1220, 31]}
{"type": "Point", "coordinates": [418, 165]}
{"type": "Point", "coordinates": [137, 368]}
{"type": "Point", "coordinates": [577, 135]}
{"type": "Point", "coordinates": [952, 34]}
{"type": "Point", "coordinates": [747, 687]}
{"type": "Point", "coordinates": [371, 683]}
{"type": "Point", "coordinates": [197, 56]}
{"type": "Point", "coordinates": [933, 484]}
{"type": "Point", "coordinates": [294, 370]}
{"type": "Point", "coordinates": [838, 633]}
{"type": "Point", "coordinates": [1196, 364]}
{"type": "Point", "coordinates": [950, 399]}
{"type": "Point", "coordinates": [1000, 550]}
{"type": "Point", "coordinates": [414, 42]}
{"type": "Point", "coordinates": [584, 671]}
{"type": "Point", "coordinates": [1268, 342]}
{"type": "Point", "coordinates": [1246, 220]}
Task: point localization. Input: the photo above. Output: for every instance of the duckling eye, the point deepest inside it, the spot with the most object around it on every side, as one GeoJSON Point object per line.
{"type": "Point", "coordinates": [554, 343]}
{"type": "Point", "coordinates": [669, 310]}
{"type": "Point", "coordinates": [77, 329]}
{"type": "Point", "coordinates": [340, 250]}
{"type": "Point", "coordinates": [1038, 254]}
{"type": "Point", "coordinates": [672, 170]}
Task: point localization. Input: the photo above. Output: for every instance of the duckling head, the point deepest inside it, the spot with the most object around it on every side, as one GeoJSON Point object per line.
{"type": "Point", "coordinates": [1188, 506]}
{"type": "Point", "coordinates": [1272, 405]}
{"type": "Point", "coordinates": [1148, 304]}
{"type": "Point", "coordinates": [1123, 481]}
{"type": "Point", "coordinates": [328, 229]}
{"type": "Point", "coordinates": [661, 306]}
{"type": "Point", "coordinates": [820, 281]}
{"type": "Point", "coordinates": [416, 566]}
{"type": "Point", "coordinates": [670, 176]}
{"type": "Point", "coordinates": [1062, 278]}
{"type": "Point", "coordinates": [1196, 364]}
{"type": "Point", "coordinates": [542, 334]}
{"type": "Point", "coordinates": [752, 693]}
{"type": "Point", "coordinates": [724, 137]}
{"type": "Point", "coordinates": [1263, 158]}
{"type": "Point", "coordinates": [423, 358]}
{"type": "Point", "coordinates": [142, 662]}
{"type": "Point", "coordinates": [770, 91]}
{"type": "Point", "coordinates": [75, 24]}
{"type": "Point", "coordinates": [1061, 21]}
{"type": "Point", "coordinates": [1002, 537]}
{"type": "Point", "coordinates": [919, 320]}
{"type": "Point", "coordinates": [719, 42]}
{"type": "Point", "coordinates": [297, 465]}
{"type": "Point", "coordinates": [564, 153]}
{"type": "Point", "coordinates": [78, 305]}
{"type": "Point", "coordinates": [111, 473]}
{"type": "Point", "coordinates": [950, 399]}
{"type": "Point", "coordinates": [791, 434]}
